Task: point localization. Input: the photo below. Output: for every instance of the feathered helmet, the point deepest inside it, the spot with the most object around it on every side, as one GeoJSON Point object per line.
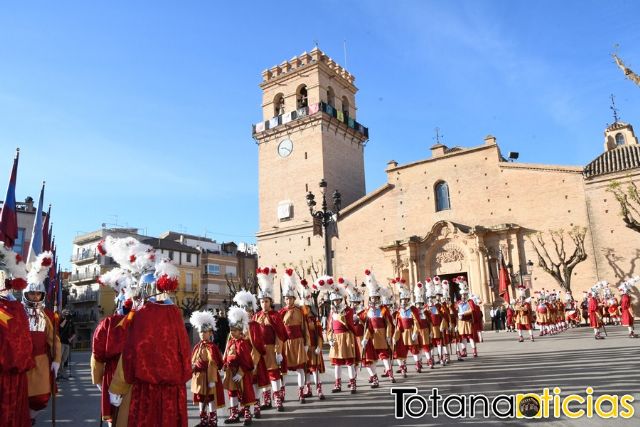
{"type": "Point", "coordinates": [352, 293]}
{"type": "Point", "coordinates": [203, 321]}
{"type": "Point", "coordinates": [386, 294]}
{"type": "Point", "coordinates": [446, 287]}
{"type": "Point", "coordinates": [266, 276]}
{"type": "Point", "coordinates": [306, 293]}
{"type": "Point", "coordinates": [568, 297]}
{"type": "Point", "coordinates": [418, 293]}
{"type": "Point", "coordinates": [462, 284]}
{"type": "Point", "coordinates": [336, 292]}
{"type": "Point", "coordinates": [38, 271]}
{"type": "Point", "coordinates": [403, 289]}
{"type": "Point", "coordinates": [522, 292]}
{"type": "Point", "coordinates": [430, 288]}
{"type": "Point", "coordinates": [290, 284]}
{"type": "Point", "coordinates": [246, 300]}
{"type": "Point", "coordinates": [13, 270]}
{"type": "Point", "coordinates": [238, 318]}
{"type": "Point", "coordinates": [373, 287]}
{"type": "Point", "coordinates": [140, 273]}
{"type": "Point", "coordinates": [628, 285]}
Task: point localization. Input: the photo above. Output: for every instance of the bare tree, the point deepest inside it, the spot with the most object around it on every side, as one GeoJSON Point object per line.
{"type": "Point", "coordinates": [626, 70]}
{"type": "Point", "coordinates": [188, 305]}
{"type": "Point", "coordinates": [629, 201]}
{"type": "Point", "coordinates": [310, 269]}
{"type": "Point", "coordinates": [556, 261]}
{"type": "Point", "coordinates": [236, 284]}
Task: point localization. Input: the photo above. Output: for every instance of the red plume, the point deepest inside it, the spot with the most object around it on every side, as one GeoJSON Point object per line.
{"type": "Point", "coordinates": [46, 262]}
{"type": "Point", "coordinates": [166, 283]}
{"type": "Point", "coordinates": [132, 259]}
{"type": "Point", "coordinates": [289, 271]}
{"type": "Point", "coordinates": [321, 282]}
{"type": "Point", "coordinates": [101, 248]}
{"type": "Point", "coordinates": [303, 282]}
{"type": "Point", "coordinates": [341, 280]}
{"type": "Point", "coordinates": [419, 284]}
{"type": "Point", "coordinates": [330, 281]}
{"type": "Point", "coordinates": [128, 303]}
{"type": "Point", "coordinates": [18, 258]}
{"type": "Point", "coordinates": [273, 270]}
{"type": "Point", "coordinates": [18, 284]}
{"type": "Point", "coordinates": [367, 272]}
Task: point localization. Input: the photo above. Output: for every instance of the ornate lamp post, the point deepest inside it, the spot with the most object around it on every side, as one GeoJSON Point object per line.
{"type": "Point", "coordinates": [326, 217]}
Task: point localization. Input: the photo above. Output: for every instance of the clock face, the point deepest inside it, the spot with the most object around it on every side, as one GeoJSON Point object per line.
{"type": "Point", "coordinates": [285, 147]}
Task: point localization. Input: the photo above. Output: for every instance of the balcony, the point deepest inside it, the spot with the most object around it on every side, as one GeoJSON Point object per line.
{"type": "Point", "coordinates": [87, 296]}
{"type": "Point", "coordinates": [84, 256]}
{"type": "Point", "coordinates": [310, 110]}
{"type": "Point", "coordinates": [83, 277]}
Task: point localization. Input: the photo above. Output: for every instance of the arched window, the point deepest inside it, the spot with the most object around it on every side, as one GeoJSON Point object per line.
{"type": "Point", "coordinates": [331, 97]}
{"type": "Point", "coordinates": [442, 196]}
{"type": "Point", "coordinates": [619, 139]}
{"type": "Point", "coordinates": [301, 97]}
{"type": "Point", "coordinates": [345, 106]}
{"type": "Point", "coordinates": [278, 105]}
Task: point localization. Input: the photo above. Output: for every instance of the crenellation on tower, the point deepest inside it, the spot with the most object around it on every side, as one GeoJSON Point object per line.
{"type": "Point", "coordinates": [298, 62]}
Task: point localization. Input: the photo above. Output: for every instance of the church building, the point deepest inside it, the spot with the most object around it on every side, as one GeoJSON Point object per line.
{"type": "Point", "coordinates": [457, 212]}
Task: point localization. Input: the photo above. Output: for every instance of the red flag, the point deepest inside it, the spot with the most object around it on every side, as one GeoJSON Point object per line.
{"type": "Point", "coordinates": [504, 281]}
{"type": "Point", "coordinates": [9, 215]}
{"type": "Point", "coordinates": [46, 237]}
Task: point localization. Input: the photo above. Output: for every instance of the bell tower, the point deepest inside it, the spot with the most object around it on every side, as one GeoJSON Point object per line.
{"type": "Point", "coordinates": [308, 132]}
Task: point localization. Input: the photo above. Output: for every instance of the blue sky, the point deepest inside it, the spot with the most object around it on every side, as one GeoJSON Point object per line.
{"type": "Point", "coordinates": [140, 112]}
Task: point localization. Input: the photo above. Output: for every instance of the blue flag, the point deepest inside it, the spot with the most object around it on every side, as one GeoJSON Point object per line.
{"type": "Point", "coordinates": [36, 237]}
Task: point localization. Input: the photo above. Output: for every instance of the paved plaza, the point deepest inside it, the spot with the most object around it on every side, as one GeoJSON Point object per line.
{"type": "Point", "coordinates": [572, 361]}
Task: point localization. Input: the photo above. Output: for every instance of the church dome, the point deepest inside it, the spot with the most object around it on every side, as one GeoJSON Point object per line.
{"type": "Point", "coordinates": [619, 159]}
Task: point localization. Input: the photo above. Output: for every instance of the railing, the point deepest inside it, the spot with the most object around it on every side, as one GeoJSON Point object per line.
{"type": "Point", "coordinates": [309, 111]}
{"type": "Point", "coordinates": [84, 296]}
{"type": "Point", "coordinates": [77, 277]}
{"type": "Point", "coordinates": [85, 255]}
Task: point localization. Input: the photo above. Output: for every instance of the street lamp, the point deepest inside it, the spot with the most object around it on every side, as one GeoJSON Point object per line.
{"type": "Point", "coordinates": [326, 217]}
{"type": "Point", "coordinates": [529, 267]}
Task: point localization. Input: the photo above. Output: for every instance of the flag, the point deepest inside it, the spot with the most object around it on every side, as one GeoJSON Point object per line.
{"type": "Point", "coordinates": [36, 237]}
{"type": "Point", "coordinates": [504, 281]}
{"type": "Point", "coordinates": [46, 236]}
{"type": "Point", "coordinates": [9, 216]}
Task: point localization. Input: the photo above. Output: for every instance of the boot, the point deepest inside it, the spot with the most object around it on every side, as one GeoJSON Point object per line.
{"type": "Point", "coordinates": [266, 398]}
{"type": "Point", "coordinates": [419, 367]}
{"type": "Point", "coordinates": [430, 363]}
{"type": "Point", "coordinates": [213, 419]}
{"type": "Point", "coordinates": [319, 391]}
{"type": "Point", "coordinates": [633, 335]}
{"type": "Point", "coordinates": [532, 338]}
{"type": "Point", "coordinates": [463, 352]}
{"type": "Point", "coordinates": [403, 370]}
{"type": "Point", "coordinates": [390, 375]}
{"type": "Point", "coordinates": [337, 388]}
{"type": "Point", "coordinates": [598, 336]}
{"type": "Point", "coordinates": [247, 416]}
{"type": "Point", "coordinates": [375, 383]}
{"type": "Point", "coordinates": [352, 385]}
{"type": "Point", "coordinates": [475, 352]}
{"type": "Point", "coordinates": [301, 395]}
{"type": "Point", "coordinates": [204, 419]}
{"type": "Point", "coordinates": [234, 416]}
{"type": "Point", "coordinates": [520, 339]}
{"type": "Point", "coordinates": [279, 401]}
{"type": "Point", "coordinates": [256, 411]}
{"type": "Point", "coordinates": [307, 390]}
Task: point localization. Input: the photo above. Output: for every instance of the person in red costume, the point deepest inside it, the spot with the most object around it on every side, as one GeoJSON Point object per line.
{"type": "Point", "coordinates": [107, 344]}
{"type": "Point", "coordinates": [524, 314]}
{"type": "Point", "coordinates": [405, 336]}
{"type": "Point", "coordinates": [295, 322]}
{"type": "Point", "coordinates": [16, 348]}
{"type": "Point", "coordinates": [315, 361]}
{"type": "Point", "coordinates": [595, 310]}
{"type": "Point", "coordinates": [626, 311]}
{"type": "Point", "coordinates": [274, 335]}
{"type": "Point", "coordinates": [423, 320]}
{"type": "Point", "coordinates": [247, 301]}
{"type": "Point", "coordinates": [238, 367]}
{"type": "Point", "coordinates": [47, 350]}
{"type": "Point", "coordinates": [466, 308]}
{"type": "Point", "coordinates": [340, 332]}
{"type": "Point", "coordinates": [377, 340]}
{"type": "Point", "coordinates": [510, 316]}
{"type": "Point", "coordinates": [148, 386]}
{"type": "Point", "coordinates": [206, 361]}
{"type": "Point", "coordinates": [355, 303]}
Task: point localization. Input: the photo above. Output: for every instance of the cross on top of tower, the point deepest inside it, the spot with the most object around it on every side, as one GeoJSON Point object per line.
{"type": "Point", "coordinates": [613, 108]}
{"type": "Point", "coordinates": [438, 135]}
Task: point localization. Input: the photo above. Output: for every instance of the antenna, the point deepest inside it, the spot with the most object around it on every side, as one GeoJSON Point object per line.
{"type": "Point", "coordinates": [614, 109]}
{"type": "Point", "coordinates": [344, 44]}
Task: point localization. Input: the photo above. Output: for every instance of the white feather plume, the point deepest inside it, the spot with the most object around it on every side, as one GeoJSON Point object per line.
{"type": "Point", "coordinates": [245, 299]}
{"type": "Point", "coordinates": [201, 318]}
{"type": "Point", "coordinates": [238, 318]}
{"type": "Point", "coordinates": [38, 272]}
{"type": "Point", "coordinates": [166, 267]}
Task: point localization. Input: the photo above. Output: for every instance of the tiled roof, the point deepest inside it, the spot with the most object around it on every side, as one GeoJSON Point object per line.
{"type": "Point", "coordinates": [625, 157]}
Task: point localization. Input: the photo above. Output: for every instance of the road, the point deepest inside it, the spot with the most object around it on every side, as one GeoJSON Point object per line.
{"type": "Point", "coordinates": [572, 361]}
